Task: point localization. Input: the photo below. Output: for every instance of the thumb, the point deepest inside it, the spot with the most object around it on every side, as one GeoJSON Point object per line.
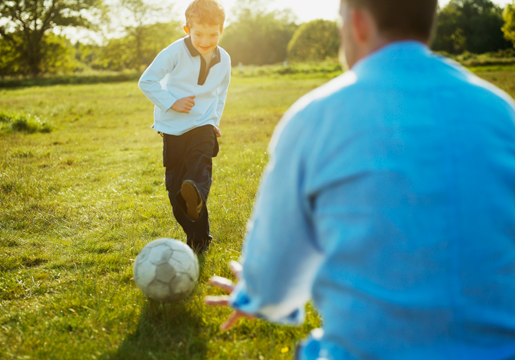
{"type": "Point", "coordinates": [192, 97]}
{"type": "Point", "coordinates": [236, 269]}
{"type": "Point", "coordinates": [231, 321]}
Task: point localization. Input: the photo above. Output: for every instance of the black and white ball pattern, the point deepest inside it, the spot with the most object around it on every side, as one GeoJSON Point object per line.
{"type": "Point", "coordinates": [166, 270]}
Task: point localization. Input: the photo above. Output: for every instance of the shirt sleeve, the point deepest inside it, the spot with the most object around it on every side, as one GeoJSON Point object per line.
{"type": "Point", "coordinates": [222, 94]}
{"type": "Point", "coordinates": [150, 83]}
{"type": "Point", "coordinates": [280, 256]}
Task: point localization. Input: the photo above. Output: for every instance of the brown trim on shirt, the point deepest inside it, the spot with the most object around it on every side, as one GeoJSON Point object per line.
{"type": "Point", "coordinates": [204, 70]}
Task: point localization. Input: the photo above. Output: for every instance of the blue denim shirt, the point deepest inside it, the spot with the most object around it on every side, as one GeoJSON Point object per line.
{"type": "Point", "coordinates": [389, 200]}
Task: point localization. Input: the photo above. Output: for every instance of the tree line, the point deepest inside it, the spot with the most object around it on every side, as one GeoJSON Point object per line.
{"type": "Point", "coordinates": [30, 44]}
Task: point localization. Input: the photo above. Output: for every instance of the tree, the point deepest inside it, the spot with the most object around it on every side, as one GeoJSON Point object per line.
{"type": "Point", "coordinates": [136, 18]}
{"type": "Point", "coordinates": [314, 41]}
{"type": "Point", "coordinates": [87, 55]}
{"type": "Point", "coordinates": [56, 51]}
{"type": "Point", "coordinates": [449, 36]}
{"type": "Point", "coordinates": [27, 23]}
{"type": "Point", "coordinates": [509, 23]}
{"type": "Point", "coordinates": [10, 62]}
{"type": "Point", "coordinates": [256, 35]}
{"type": "Point", "coordinates": [58, 54]}
{"type": "Point", "coordinates": [470, 25]}
{"type": "Point", "coordinates": [137, 52]}
{"type": "Point", "coordinates": [144, 29]}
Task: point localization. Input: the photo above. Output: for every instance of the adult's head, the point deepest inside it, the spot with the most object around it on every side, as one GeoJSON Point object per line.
{"type": "Point", "coordinates": [370, 24]}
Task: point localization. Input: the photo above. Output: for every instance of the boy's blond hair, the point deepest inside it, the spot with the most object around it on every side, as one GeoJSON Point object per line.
{"type": "Point", "coordinates": [209, 12]}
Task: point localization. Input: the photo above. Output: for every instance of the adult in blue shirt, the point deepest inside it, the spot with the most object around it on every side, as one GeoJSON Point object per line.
{"type": "Point", "coordinates": [389, 200]}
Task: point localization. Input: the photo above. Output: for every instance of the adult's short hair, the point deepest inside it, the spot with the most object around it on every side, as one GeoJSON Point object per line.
{"type": "Point", "coordinates": [401, 18]}
{"type": "Point", "coordinates": [209, 12]}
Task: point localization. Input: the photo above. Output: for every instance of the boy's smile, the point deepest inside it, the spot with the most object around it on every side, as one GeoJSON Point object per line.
{"type": "Point", "coordinates": [204, 37]}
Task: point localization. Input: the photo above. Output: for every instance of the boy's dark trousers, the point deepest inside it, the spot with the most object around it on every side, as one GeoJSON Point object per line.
{"type": "Point", "coordinates": [189, 157]}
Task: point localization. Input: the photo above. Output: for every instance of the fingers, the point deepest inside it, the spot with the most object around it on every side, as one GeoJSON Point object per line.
{"type": "Point", "coordinates": [223, 283]}
{"type": "Point", "coordinates": [231, 321]}
{"type": "Point", "coordinates": [228, 286]}
{"type": "Point", "coordinates": [184, 105]}
{"type": "Point", "coordinates": [188, 101]}
{"type": "Point", "coordinates": [188, 104]}
{"type": "Point", "coordinates": [217, 300]}
{"type": "Point", "coordinates": [186, 108]}
{"type": "Point", "coordinates": [224, 301]}
{"type": "Point", "coordinates": [236, 268]}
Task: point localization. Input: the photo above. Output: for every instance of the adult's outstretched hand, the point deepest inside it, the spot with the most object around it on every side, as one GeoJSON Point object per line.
{"type": "Point", "coordinates": [228, 286]}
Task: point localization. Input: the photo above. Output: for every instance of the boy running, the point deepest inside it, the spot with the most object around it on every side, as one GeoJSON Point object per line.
{"type": "Point", "coordinates": [188, 82]}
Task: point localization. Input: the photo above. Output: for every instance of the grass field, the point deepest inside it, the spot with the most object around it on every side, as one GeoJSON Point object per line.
{"type": "Point", "coordinates": [78, 204]}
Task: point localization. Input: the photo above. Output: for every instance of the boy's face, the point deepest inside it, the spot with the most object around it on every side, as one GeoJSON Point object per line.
{"type": "Point", "coordinates": [204, 37]}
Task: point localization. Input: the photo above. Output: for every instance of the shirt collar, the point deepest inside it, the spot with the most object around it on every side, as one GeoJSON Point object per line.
{"type": "Point", "coordinates": [194, 52]}
{"type": "Point", "coordinates": [392, 52]}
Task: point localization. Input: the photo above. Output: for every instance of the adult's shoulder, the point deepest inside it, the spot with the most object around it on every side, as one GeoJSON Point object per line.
{"type": "Point", "coordinates": [476, 87]}
{"type": "Point", "coordinates": [307, 113]}
{"type": "Point", "coordinates": [338, 90]}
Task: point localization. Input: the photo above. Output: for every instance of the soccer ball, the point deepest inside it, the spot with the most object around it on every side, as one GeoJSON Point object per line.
{"type": "Point", "coordinates": [166, 270]}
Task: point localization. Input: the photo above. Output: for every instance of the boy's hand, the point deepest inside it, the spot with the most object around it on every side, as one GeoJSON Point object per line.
{"type": "Point", "coordinates": [184, 105]}
{"type": "Point", "coordinates": [217, 131]}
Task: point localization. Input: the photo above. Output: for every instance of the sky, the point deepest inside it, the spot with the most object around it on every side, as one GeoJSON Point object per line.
{"type": "Point", "coordinates": [306, 10]}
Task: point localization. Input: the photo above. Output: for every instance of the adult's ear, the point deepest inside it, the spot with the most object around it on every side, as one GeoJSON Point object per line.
{"type": "Point", "coordinates": [363, 25]}
{"type": "Point", "coordinates": [186, 29]}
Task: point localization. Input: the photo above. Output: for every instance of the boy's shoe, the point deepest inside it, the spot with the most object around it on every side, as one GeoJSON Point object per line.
{"type": "Point", "coordinates": [192, 198]}
{"type": "Point", "coordinates": [200, 247]}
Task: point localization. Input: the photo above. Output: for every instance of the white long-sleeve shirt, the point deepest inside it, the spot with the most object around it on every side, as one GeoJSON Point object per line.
{"type": "Point", "coordinates": [180, 71]}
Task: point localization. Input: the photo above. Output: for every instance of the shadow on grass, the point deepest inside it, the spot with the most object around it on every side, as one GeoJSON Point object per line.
{"type": "Point", "coordinates": [166, 331]}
